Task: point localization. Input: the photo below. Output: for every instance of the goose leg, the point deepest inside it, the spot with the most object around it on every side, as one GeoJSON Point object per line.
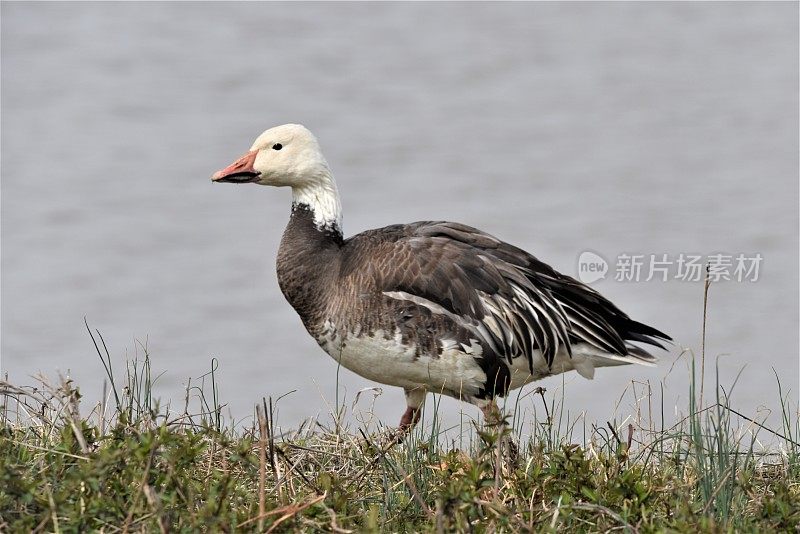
{"type": "Point", "coordinates": [415, 398]}
{"type": "Point", "coordinates": [493, 418]}
{"type": "Point", "coordinates": [491, 413]}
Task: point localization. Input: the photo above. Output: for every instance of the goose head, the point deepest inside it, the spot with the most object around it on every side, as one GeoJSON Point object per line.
{"type": "Point", "coordinates": [287, 155]}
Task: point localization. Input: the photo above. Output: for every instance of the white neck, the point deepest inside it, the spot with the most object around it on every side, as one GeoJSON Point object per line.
{"type": "Point", "coordinates": [322, 197]}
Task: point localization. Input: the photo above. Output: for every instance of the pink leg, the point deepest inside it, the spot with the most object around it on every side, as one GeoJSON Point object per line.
{"type": "Point", "coordinates": [410, 418]}
{"type": "Point", "coordinates": [493, 418]}
{"type": "Point", "coordinates": [415, 398]}
{"type": "Point", "coordinates": [491, 413]}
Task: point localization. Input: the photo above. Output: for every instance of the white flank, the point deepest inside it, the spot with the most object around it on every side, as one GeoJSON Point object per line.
{"type": "Point", "coordinates": [585, 359]}
{"type": "Point", "coordinates": [390, 362]}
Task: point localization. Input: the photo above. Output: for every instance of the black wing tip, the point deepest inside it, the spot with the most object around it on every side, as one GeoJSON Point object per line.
{"type": "Point", "coordinates": [643, 333]}
{"type": "Point", "coordinates": [640, 354]}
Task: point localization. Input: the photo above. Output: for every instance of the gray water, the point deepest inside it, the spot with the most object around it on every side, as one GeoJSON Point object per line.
{"type": "Point", "coordinates": [617, 128]}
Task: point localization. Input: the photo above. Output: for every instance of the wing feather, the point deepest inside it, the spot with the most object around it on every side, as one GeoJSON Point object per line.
{"type": "Point", "coordinates": [508, 299]}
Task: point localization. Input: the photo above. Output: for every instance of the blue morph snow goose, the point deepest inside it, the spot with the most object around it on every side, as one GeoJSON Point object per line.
{"type": "Point", "coordinates": [430, 306]}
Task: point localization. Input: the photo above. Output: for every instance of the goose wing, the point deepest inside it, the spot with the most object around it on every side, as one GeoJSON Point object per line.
{"type": "Point", "coordinates": [511, 301]}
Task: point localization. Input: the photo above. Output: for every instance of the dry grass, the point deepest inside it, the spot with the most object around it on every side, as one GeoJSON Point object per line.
{"type": "Point", "coordinates": [129, 466]}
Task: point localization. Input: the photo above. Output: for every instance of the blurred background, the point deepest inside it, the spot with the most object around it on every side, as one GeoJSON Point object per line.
{"type": "Point", "coordinates": [631, 128]}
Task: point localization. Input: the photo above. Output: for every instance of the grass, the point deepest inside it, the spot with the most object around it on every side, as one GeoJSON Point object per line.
{"type": "Point", "coordinates": [132, 466]}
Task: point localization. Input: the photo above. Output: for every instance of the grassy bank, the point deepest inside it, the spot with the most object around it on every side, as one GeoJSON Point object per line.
{"type": "Point", "coordinates": [131, 466]}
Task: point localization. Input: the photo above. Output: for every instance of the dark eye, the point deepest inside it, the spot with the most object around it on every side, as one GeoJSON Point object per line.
{"type": "Point", "coordinates": [277, 146]}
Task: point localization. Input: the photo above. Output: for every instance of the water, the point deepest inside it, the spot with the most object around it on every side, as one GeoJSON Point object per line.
{"type": "Point", "coordinates": [638, 128]}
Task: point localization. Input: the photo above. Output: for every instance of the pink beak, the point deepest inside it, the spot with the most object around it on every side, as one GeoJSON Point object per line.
{"type": "Point", "coordinates": [240, 171]}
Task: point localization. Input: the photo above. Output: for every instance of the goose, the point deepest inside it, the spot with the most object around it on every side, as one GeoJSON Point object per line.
{"type": "Point", "coordinates": [430, 306]}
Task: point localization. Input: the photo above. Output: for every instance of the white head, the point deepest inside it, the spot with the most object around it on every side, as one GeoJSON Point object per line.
{"type": "Point", "coordinates": [289, 155]}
